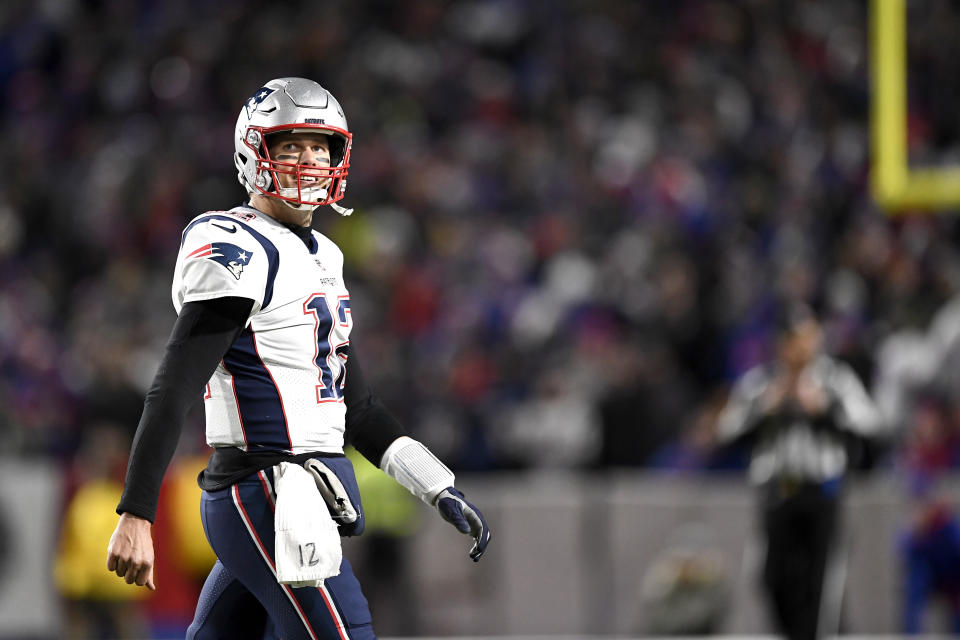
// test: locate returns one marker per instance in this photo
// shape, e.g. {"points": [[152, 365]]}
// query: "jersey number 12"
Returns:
{"points": [[329, 389]]}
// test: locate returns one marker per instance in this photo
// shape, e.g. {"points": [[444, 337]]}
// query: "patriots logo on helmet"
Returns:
{"points": [[255, 100], [229, 255]]}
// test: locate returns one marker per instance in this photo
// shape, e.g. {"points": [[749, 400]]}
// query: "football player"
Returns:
{"points": [[263, 333]]}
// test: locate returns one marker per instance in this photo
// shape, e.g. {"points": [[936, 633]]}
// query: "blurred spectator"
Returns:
{"points": [[99, 606], [645, 400], [930, 445], [798, 413], [103, 606], [685, 590], [556, 427], [930, 551]]}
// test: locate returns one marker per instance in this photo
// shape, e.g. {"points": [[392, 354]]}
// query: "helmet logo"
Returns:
{"points": [[255, 100]]}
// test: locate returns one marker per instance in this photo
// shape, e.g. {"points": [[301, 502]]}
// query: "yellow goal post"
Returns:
{"points": [[896, 186]]}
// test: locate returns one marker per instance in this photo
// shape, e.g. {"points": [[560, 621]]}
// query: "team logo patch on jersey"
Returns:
{"points": [[255, 100], [232, 257]]}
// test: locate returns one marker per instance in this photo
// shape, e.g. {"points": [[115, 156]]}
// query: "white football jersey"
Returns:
{"points": [[280, 386]]}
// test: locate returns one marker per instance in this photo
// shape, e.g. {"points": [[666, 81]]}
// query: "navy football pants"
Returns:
{"points": [[242, 600]]}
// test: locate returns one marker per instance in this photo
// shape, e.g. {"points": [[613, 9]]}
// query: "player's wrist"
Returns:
{"points": [[451, 491], [131, 519], [415, 467]]}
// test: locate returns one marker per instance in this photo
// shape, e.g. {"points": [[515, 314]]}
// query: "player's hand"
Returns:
{"points": [[466, 518], [130, 553]]}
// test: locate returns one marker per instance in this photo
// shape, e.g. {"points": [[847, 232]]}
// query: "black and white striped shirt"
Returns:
{"points": [[791, 444]]}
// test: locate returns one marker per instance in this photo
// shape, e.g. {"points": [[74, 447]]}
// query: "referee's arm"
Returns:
{"points": [[857, 412], [743, 411]]}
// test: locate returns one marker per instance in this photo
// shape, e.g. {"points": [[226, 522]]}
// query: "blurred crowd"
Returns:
{"points": [[575, 221]]}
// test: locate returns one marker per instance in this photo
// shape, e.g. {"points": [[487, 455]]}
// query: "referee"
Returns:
{"points": [[800, 414]]}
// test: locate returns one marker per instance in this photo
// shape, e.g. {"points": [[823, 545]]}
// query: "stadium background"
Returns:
{"points": [[574, 223]]}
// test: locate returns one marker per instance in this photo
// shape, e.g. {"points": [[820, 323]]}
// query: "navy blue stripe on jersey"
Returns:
{"points": [[262, 416], [273, 256]]}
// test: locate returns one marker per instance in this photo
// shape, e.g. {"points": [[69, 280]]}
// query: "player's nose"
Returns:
{"points": [[313, 158]]}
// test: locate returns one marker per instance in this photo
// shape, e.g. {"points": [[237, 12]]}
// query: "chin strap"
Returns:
{"points": [[341, 210], [317, 193]]}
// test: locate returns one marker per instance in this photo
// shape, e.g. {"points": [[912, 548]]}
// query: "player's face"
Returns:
{"points": [[308, 149]]}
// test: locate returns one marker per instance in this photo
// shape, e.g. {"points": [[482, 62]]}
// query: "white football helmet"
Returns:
{"points": [[293, 105]]}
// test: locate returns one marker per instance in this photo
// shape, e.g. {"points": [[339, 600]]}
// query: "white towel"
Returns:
{"points": [[307, 541]]}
